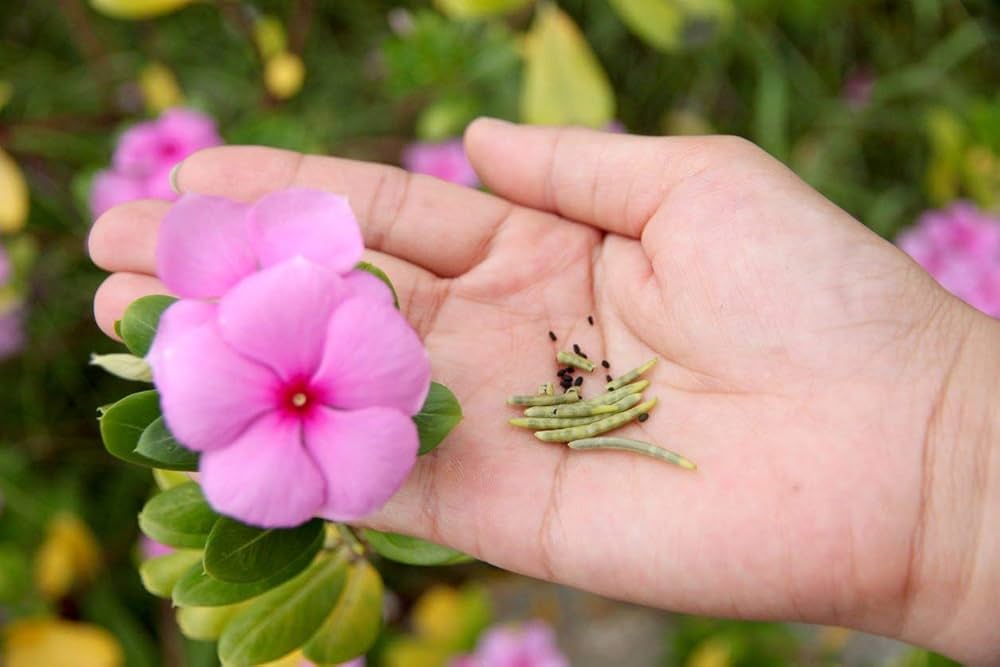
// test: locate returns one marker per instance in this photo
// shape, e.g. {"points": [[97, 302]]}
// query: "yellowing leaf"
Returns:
{"points": [[564, 83], [137, 9], [451, 618], [284, 74], [206, 623], [159, 87], [269, 35], [68, 555], [58, 643], [13, 195], [474, 9], [660, 23], [713, 652], [410, 652]]}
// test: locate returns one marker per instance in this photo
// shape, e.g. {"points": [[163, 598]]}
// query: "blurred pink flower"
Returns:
{"points": [[6, 270], [145, 155], [960, 247], [11, 331], [445, 160], [285, 383], [150, 548], [531, 645], [857, 91]]}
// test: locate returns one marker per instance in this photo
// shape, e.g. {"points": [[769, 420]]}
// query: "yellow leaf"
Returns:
{"points": [[13, 195], [660, 23], [137, 9], [475, 9], [451, 618], [168, 479], [410, 652], [207, 623], [159, 87], [58, 643], [564, 83], [283, 75], [269, 34], [68, 555], [713, 652]]}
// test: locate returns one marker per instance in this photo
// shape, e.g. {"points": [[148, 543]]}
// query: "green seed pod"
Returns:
{"points": [[575, 360], [575, 410], [546, 389], [631, 376], [637, 446], [598, 427], [626, 403], [535, 423], [570, 396], [619, 394]]}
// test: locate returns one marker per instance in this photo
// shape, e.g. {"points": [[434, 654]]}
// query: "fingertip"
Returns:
{"points": [[483, 131], [243, 173], [115, 294]]}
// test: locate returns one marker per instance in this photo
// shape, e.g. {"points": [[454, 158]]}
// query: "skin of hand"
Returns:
{"points": [[836, 400]]}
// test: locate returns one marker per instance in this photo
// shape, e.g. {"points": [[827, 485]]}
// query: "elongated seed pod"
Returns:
{"points": [[618, 394], [576, 360], [631, 376], [570, 396], [574, 410], [626, 403], [637, 446], [536, 423], [546, 389], [598, 427]]}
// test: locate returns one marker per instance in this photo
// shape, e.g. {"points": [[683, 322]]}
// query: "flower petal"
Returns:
{"points": [[110, 188], [265, 478], [373, 357], [209, 393], [279, 316], [179, 319], [363, 284], [364, 456], [316, 225], [204, 247]]}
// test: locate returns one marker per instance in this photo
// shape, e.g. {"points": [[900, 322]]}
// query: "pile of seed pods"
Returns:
{"points": [[569, 418]]}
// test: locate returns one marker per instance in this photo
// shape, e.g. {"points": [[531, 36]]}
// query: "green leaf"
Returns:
{"points": [[159, 575], [123, 423], [199, 588], [564, 84], [381, 275], [206, 623], [440, 413], [238, 553], [283, 619], [476, 9], [353, 625], [412, 550], [125, 366], [179, 517], [660, 23], [138, 324], [157, 444]]}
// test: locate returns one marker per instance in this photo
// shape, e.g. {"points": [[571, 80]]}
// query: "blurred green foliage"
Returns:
{"points": [[887, 108]]}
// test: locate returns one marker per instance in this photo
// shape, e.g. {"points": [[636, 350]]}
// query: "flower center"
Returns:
{"points": [[300, 399]]}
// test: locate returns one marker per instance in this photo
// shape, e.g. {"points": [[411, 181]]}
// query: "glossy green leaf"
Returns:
{"points": [[206, 623], [412, 550], [140, 321], [158, 445], [475, 9], [353, 625], [440, 413], [381, 275], [564, 84], [199, 588], [238, 553], [179, 517], [123, 423], [159, 575], [283, 619]]}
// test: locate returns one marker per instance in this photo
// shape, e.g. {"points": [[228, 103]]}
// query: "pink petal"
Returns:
{"points": [[204, 248], [364, 456], [179, 319], [209, 393], [373, 358], [158, 185], [279, 316], [110, 188], [265, 478], [363, 284], [445, 160], [316, 225]]}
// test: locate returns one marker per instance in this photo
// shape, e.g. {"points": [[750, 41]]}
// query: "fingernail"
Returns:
{"points": [[173, 177], [490, 120]]}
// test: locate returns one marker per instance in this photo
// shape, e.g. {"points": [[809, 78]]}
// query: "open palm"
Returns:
{"points": [[800, 356]]}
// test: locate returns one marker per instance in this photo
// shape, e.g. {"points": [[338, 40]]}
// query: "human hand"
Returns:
{"points": [[817, 376]]}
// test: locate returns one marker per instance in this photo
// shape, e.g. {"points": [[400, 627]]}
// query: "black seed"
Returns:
{"points": [[606, 364], [579, 381], [576, 348], [584, 355], [590, 318], [609, 378], [643, 417], [569, 370], [553, 337]]}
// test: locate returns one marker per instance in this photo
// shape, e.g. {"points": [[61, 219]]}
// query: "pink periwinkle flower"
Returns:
{"points": [[960, 246], [445, 160], [145, 155], [531, 645], [150, 548], [299, 382]]}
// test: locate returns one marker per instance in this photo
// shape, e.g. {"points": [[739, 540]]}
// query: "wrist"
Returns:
{"points": [[953, 584]]}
